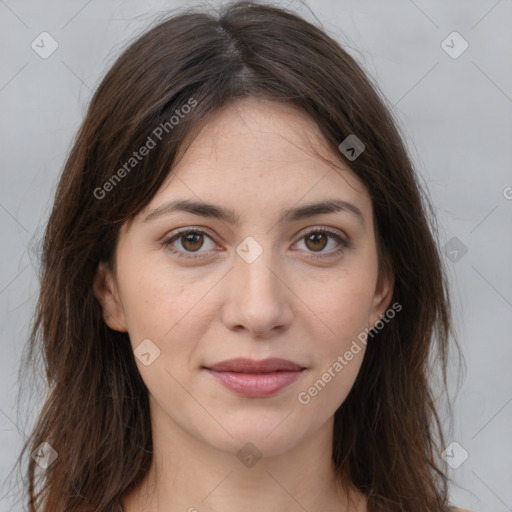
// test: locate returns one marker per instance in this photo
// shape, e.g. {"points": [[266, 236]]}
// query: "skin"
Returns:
{"points": [[255, 157]]}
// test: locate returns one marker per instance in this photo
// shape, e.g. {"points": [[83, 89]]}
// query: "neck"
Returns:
{"points": [[190, 475]]}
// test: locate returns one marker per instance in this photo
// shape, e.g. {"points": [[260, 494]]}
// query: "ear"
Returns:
{"points": [[383, 294], [105, 291]]}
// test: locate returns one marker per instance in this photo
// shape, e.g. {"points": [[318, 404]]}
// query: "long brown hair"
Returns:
{"points": [[388, 435]]}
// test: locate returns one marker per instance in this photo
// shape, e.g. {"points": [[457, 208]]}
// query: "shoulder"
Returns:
{"points": [[454, 509]]}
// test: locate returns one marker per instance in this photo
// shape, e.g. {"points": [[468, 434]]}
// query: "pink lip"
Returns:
{"points": [[256, 378]]}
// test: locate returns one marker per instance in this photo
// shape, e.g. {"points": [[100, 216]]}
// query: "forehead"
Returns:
{"points": [[257, 154]]}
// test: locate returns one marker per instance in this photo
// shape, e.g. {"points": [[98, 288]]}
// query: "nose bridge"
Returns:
{"points": [[258, 299], [255, 265]]}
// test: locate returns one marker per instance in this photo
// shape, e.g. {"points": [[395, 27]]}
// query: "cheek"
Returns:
{"points": [[158, 302], [173, 310], [343, 304], [349, 313], [339, 347]]}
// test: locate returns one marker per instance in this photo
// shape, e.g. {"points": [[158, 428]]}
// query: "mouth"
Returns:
{"points": [[255, 379]]}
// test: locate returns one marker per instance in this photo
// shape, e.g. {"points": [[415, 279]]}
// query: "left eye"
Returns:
{"points": [[192, 240], [318, 239]]}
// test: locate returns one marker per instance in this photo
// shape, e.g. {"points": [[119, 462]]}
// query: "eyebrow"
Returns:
{"points": [[229, 216]]}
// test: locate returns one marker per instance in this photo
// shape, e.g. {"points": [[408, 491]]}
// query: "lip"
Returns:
{"points": [[243, 365], [256, 379]]}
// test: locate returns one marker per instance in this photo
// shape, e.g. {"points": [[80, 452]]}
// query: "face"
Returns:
{"points": [[259, 276]]}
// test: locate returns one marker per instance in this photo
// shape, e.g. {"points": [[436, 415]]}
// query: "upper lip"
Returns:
{"points": [[242, 365]]}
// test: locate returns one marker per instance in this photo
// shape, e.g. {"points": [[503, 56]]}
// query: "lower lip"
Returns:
{"points": [[256, 385]]}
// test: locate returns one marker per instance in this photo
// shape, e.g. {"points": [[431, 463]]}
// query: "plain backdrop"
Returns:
{"points": [[455, 110]]}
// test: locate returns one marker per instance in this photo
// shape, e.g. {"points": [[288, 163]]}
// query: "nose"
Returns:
{"points": [[258, 298]]}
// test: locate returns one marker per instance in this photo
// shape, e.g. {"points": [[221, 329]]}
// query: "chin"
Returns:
{"points": [[268, 438]]}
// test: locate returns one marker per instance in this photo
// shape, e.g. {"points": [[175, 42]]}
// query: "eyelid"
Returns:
{"points": [[326, 229]]}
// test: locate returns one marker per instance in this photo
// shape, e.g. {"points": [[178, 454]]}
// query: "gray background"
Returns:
{"points": [[455, 114]]}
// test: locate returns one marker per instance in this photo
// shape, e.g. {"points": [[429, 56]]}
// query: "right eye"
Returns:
{"points": [[191, 240]]}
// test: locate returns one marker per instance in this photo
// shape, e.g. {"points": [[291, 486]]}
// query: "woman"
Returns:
{"points": [[241, 286]]}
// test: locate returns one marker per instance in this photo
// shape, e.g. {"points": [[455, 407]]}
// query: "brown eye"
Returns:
{"points": [[192, 241], [186, 242], [316, 241]]}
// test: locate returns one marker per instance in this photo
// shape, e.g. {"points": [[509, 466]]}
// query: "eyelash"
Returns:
{"points": [[344, 244]]}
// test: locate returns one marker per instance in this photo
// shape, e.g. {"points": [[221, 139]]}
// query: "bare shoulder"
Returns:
{"points": [[453, 509]]}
